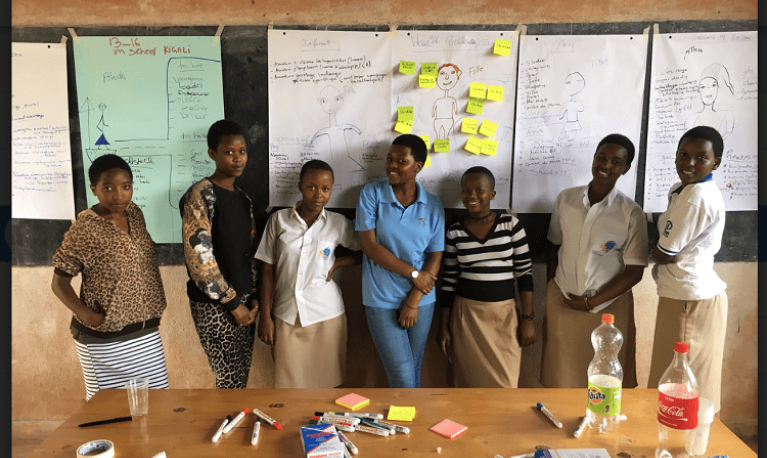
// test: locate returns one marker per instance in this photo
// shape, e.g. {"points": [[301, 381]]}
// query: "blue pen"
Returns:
{"points": [[548, 414]]}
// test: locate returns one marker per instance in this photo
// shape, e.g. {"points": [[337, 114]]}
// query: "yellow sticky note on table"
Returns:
{"points": [[475, 106], [502, 47], [442, 146], [407, 67], [427, 81], [488, 128], [473, 145], [401, 413], [489, 147], [426, 140], [404, 127], [495, 93], [469, 125], [477, 90], [428, 160], [429, 68], [404, 114]]}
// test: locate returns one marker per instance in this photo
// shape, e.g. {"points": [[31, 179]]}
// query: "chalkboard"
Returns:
{"points": [[244, 62]]}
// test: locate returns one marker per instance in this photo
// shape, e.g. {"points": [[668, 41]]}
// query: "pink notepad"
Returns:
{"points": [[449, 429], [353, 401]]}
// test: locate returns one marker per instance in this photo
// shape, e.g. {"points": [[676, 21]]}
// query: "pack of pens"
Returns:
{"points": [[572, 453], [321, 441]]}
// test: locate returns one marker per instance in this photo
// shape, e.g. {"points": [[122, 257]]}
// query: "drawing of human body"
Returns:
{"points": [[102, 141], [708, 88], [445, 107], [332, 100], [574, 83]]}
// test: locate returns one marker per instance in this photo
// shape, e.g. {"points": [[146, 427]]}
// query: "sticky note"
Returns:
{"points": [[473, 145], [426, 140], [401, 413], [489, 147], [407, 67], [353, 401], [475, 106], [428, 160], [495, 93], [404, 113], [488, 128], [477, 90], [469, 125], [404, 127], [427, 81], [429, 68], [502, 47], [449, 429], [442, 146]]}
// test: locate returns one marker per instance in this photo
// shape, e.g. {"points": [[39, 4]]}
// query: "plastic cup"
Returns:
{"points": [[697, 439], [138, 396]]}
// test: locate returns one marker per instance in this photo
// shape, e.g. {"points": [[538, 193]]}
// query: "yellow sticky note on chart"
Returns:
{"points": [[489, 147], [442, 146], [488, 128], [427, 81], [426, 140], [475, 106], [407, 67], [502, 47], [401, 413], [429, 68], [428, 160], [404, 114], [473, 145], [469, 125], [477, 90], [495, 93], [404, 127]]}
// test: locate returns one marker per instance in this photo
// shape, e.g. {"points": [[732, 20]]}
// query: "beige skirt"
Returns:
{"points": [[312, 356], [485, 350], [567, 349]]}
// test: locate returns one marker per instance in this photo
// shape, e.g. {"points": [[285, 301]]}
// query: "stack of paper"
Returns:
{"points": [[353, 401], [449, 429]]}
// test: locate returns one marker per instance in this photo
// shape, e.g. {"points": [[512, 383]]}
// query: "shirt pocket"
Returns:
{"points": [[609, 244], [324, 254]]}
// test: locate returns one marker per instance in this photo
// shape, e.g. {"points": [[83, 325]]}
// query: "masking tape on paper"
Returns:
{"points": [[96, 449]]}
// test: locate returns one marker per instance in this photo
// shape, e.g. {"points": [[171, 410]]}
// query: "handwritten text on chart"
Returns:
{"points": [[132, 47], [337, 70]]}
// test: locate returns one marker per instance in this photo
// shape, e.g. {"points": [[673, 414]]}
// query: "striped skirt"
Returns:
{"points": [[110, 365]]}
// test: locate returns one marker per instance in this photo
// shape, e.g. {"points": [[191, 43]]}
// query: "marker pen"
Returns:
{"points": [[236, 420], [400, 428], [337, 418], [343, 427], [581, 427], [549, 415], [332, 420], [372, 430], [267, 418], [256, 429], [373, 424], [220, 429], [375, 416], [352, 448]]}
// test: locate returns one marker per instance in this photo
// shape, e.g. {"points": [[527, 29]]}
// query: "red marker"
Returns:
{"points": [[267, 418], [236, 420]]}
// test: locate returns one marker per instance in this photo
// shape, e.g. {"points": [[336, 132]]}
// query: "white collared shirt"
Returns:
{"points": [[597, 241], [302, 257]]}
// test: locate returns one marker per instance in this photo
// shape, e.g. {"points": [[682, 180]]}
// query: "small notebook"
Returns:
{"points": [[401, 413], [449, 429], [353, 401]]}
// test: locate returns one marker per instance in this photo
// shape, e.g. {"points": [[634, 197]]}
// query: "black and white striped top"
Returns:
{"points": [[485, 270]]}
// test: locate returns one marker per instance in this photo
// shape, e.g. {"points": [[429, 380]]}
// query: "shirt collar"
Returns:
{"points": [[709, 177], [610, 197], [321, 216], [388, 194]]}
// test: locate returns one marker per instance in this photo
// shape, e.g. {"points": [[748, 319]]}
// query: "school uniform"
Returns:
{"points": [[693, 302], [310, 324], [597, 242]]}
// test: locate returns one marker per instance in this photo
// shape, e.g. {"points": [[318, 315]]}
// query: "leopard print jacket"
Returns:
{"points": [[197, 208], [120, 273]]}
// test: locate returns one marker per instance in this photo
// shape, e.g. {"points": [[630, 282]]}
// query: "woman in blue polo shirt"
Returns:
{"points": [[402, 232]]}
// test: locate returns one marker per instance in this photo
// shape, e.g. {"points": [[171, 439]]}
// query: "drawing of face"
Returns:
{"points": [[448, 76], [708, 88], [331, 100], [574, 83], [102, 106]]}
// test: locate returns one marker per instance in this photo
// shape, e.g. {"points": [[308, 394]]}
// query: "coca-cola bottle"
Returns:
{"points": [[677, 406]]}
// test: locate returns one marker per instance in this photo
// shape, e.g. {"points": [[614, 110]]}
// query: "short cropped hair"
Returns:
{"points": [[415, 143], [315, 164], [104, 163], [622, 140], [479, 169], [705, 133], [221, 128]]}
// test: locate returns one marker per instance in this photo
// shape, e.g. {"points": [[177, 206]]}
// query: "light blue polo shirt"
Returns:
{"points": [[409, 233]]}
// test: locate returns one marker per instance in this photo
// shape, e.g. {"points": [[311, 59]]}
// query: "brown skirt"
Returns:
{"points": [[567, 349], [485, 350], [312, 356]]}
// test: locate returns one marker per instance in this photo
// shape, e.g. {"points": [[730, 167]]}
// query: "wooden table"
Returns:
{"points": [[500, 421]]}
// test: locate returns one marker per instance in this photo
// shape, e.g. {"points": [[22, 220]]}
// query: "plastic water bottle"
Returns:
{"points": [[678, 399], [605, 376]]}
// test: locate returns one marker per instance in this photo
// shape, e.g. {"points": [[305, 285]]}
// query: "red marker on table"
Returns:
{"points": [[236, 420], [267, 418]]}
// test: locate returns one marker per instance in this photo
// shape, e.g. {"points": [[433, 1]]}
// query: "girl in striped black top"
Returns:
{"points": [[484, 255]]}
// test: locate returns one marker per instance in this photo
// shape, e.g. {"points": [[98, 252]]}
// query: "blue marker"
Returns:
{"points": [[548, 414]]}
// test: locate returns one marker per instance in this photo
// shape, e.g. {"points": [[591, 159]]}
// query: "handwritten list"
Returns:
{"points": [[41, 167]]}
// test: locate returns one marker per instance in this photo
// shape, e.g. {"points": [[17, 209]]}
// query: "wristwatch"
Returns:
{"points": [[414, 274]]}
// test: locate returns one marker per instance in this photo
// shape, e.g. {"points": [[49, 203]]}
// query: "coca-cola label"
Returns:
{"points": [[678, 413], [604, 401]]}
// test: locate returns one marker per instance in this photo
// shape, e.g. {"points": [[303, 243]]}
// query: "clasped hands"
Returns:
{"points": [[424, 282]]}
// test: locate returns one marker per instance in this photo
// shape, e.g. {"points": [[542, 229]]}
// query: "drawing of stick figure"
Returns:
{"points": [[445, 107], [708, 88], [574, 83], [102, 141], [331, 101]]}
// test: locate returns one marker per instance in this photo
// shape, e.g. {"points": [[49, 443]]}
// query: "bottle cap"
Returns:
{"points": [[608, 318], [681, 347]]}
